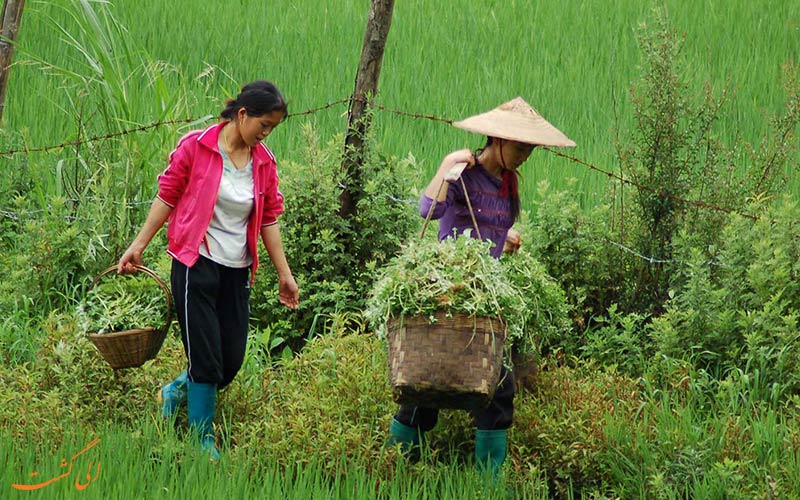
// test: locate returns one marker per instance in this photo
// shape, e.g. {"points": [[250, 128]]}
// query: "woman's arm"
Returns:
{"points": [[159, 212], [287, 287], [437, 188]]}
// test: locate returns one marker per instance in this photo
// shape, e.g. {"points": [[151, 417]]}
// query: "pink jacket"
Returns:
{"points": [[190, 184]]}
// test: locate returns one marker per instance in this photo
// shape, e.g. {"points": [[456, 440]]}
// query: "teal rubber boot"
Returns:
{"points": [[407, 437], [490, 450], [172, 395], [202, 400]]}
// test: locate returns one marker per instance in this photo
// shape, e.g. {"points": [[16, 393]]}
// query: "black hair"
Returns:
{"points": [[257, 98]]}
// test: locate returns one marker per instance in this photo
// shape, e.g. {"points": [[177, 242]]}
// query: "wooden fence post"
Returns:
{"points": [[369, 69], [10, 19]]}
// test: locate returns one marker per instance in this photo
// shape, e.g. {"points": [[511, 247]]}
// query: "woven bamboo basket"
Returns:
{"points": [[453, 362], [131, 348]]}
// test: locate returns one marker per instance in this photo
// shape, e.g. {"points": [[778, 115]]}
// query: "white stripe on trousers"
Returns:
{"points": [[186, 321]]}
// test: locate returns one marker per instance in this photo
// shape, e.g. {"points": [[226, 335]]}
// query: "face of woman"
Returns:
{"points": [[515, 153], [255, 129]]}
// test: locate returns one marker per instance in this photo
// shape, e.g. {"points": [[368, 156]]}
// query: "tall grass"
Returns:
{"points": [[572, 60], [315, 426], [151, 462]]}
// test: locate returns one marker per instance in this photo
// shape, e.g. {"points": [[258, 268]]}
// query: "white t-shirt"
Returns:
{"points": [[227, 234]]}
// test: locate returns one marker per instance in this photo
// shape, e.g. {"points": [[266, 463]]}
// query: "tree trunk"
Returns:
{"points": [[10, 18], [369, 69]]}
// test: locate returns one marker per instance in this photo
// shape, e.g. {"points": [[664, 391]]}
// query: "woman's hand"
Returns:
{"points": [[460, 156], [513, 241], [288, 292], [437, 189], [129, 260], [158, 214]]}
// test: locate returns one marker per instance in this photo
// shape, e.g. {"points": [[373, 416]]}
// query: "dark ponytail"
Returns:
{"points": [[257, 98], [509, 188]]}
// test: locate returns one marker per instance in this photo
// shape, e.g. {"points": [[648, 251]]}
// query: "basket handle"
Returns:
{"points": [[153, 275]]}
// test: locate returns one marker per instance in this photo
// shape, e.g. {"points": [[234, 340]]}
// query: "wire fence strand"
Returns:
{"points": [[692, 203]]}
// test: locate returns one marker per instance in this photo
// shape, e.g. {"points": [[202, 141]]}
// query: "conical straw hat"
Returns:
{"points": [[516, 120]]}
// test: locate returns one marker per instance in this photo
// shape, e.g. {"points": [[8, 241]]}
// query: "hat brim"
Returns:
{"points": [[513, 125]]}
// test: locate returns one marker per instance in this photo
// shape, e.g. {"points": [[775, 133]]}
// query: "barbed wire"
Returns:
{"points": [[319, 108], [96, 138], [663, 194], [620, 178], [649, 260]]}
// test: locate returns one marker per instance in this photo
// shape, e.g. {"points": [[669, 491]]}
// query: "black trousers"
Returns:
{"points": [[212, 302], [498, 415]]}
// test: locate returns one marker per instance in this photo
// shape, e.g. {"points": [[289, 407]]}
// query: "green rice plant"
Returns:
{"points": [[107, 83], [16, 347], [151, 461], [743, 49], [697, 437]]}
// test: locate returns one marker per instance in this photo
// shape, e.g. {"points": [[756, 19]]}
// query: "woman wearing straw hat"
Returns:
{"points": [[489, 176], [220, 194]]}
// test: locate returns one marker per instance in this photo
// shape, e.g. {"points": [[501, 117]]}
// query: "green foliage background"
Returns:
{"points": [[572, 60], [677, 375]]}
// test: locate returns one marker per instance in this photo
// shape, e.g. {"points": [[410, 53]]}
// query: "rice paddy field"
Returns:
{"points": [[87, 68], [572, 60]]}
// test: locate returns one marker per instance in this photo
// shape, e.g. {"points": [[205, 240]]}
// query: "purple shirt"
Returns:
{"points": [[492, 212]]}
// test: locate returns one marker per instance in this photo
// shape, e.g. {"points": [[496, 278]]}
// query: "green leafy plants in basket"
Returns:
{"points": [[122, 303], [454, 275], [459, 275]]}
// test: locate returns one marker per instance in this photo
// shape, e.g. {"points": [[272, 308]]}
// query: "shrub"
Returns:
{"points": [[572, 244], [741, 309], [51, 252], [674, 156], [334, 258]]}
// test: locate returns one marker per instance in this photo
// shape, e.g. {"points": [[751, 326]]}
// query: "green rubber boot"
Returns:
{"points": [[202, 399], [172, 395], [407, 437], [490, 450]]}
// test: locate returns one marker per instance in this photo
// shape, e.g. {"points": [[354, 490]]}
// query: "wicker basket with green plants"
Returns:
{"points": [[126, 316]]}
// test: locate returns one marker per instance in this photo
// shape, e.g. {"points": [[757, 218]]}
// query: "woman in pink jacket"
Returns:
{"points": [[219, 193]]}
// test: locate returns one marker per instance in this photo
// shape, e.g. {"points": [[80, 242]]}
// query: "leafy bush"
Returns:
{"points": [[50, 253], [715, 288], [741, 309], [616, 341], [573, 245], [332, 257], [674, 156]]}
